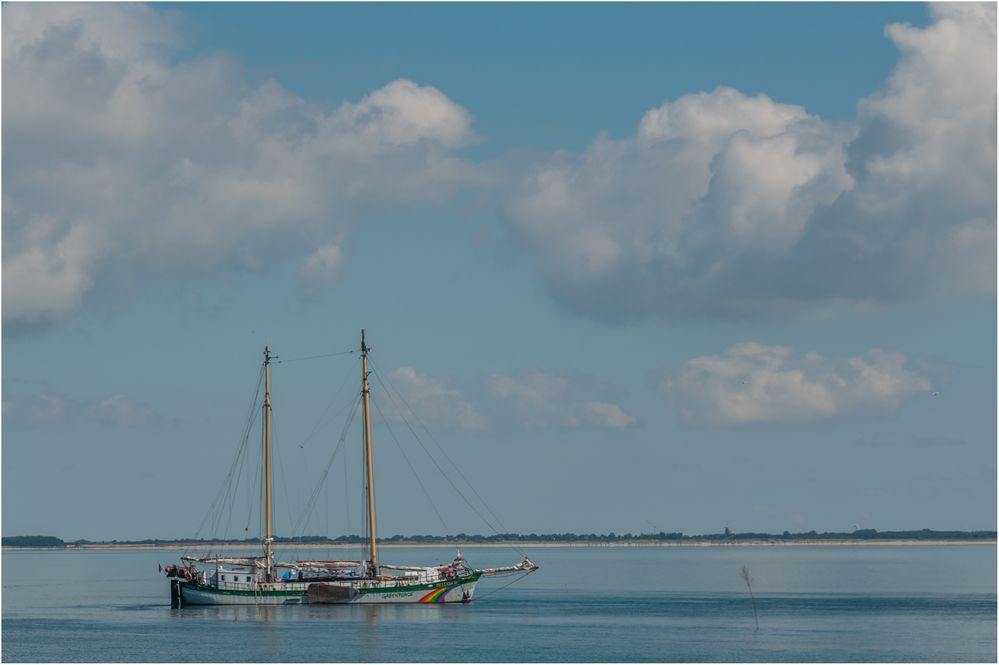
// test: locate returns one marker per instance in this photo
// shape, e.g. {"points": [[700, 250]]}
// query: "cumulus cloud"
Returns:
{"points": [[37, 411], [45, 410], [122, 163], [121, 411], [727, 204], [433, 400], [543, 400], [321, 266], [756, 384], [606, 414]]}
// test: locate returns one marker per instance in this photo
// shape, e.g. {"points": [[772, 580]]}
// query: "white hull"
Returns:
{"points": [[289, 594]]}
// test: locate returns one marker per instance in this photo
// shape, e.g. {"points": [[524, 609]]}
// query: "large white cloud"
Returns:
{"points": [[121, 164], [756, 384], [727, 204]]}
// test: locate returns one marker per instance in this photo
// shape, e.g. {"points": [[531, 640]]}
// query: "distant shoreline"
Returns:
{"points": [[895, 542]]}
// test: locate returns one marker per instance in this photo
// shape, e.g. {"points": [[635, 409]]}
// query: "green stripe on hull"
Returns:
{"points": [[424, 587]]}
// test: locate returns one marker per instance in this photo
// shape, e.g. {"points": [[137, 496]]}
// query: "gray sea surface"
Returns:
{"points": [[927, 603]]}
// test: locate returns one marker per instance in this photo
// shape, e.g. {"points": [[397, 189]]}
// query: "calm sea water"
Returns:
{"points": [[923, 603]]}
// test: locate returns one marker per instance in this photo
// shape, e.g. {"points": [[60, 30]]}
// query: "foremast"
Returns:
{"points": [[268, 537], [373, 561]]}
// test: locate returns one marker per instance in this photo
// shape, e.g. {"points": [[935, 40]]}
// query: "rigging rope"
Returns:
{"points": [[223, 492], [346, 494], [253, 498], [324, 355], [485, 520], [451, 461], [511, 583], [223, 503], [321, 423], [284, 481], [219, 513], [447, 531], [310, 504], [261, 470]]}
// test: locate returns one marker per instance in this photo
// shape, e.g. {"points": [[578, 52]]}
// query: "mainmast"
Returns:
{"points": [[367, 457], [268, 538]]}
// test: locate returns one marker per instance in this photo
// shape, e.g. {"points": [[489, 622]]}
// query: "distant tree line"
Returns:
{"points": [[662, 536], [32, 541]]}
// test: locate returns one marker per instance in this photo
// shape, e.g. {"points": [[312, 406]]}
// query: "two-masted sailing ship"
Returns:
{"points": [[260, 580]]}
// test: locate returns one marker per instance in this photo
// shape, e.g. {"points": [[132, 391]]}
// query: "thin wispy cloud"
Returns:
{"points": [[321, 267], [530, 400], [434, 400], [540, 399], [45, 411], [606, 414]]}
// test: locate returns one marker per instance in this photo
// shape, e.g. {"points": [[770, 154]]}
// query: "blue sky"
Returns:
{"points": [[648, 266]]}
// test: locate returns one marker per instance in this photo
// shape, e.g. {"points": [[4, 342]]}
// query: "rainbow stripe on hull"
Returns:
{"points": [[437, 596]]}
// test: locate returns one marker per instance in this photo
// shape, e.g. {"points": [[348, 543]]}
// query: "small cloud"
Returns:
{"points": [[538, 399], [433, 400], [609, 415], [45, 411], [120, 411], [36, 411], [542, 400], [321, 267], [756, 384]]}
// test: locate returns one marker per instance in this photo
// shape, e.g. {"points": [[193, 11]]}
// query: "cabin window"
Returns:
{"points": [[223, 578], [247, 578]]}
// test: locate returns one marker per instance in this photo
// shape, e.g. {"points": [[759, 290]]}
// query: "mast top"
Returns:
{"points": [[364, 347], [267, 355]]}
